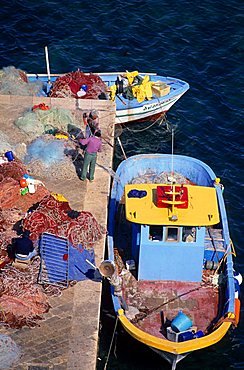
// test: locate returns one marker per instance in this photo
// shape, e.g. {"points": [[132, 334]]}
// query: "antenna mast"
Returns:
{"points": [[47, 64], [172, 157]]}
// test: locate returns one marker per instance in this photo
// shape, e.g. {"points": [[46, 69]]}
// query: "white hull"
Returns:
{"points": [[150, 108]]}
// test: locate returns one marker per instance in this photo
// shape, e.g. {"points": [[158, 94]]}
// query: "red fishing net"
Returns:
{"points": [[69, 84], [13, 205], [22, 301], [14, 170], [53, 216], [10, 197]]}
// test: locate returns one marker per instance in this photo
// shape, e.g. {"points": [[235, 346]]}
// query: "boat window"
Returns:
{"points": [[189, 234], [172, 234], [156, 233]]}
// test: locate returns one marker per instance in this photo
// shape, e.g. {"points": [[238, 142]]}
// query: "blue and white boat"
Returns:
{"points": [[170, 256], [131, 110]]}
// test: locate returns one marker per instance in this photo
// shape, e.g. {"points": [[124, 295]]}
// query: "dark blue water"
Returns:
{"points": [[201, 42]]}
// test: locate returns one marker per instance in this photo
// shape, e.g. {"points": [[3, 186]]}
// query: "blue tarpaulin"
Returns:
{"points": [[79, 269], [62, 262]]}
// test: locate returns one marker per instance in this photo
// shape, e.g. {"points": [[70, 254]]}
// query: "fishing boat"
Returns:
{"points": [[166, 92], [170, 256]]}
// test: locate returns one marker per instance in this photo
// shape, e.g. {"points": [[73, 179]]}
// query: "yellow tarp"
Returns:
{"points": [[140, 92], [143, 91]]}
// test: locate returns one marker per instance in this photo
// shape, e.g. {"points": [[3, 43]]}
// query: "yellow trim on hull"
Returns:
{"points": [[173, 347]]}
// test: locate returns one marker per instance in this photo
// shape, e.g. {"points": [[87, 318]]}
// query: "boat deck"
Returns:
{"points": [[159, 302]]}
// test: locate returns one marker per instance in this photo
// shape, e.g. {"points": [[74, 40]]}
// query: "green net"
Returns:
{"points": [[38, 122], [14, 82]]}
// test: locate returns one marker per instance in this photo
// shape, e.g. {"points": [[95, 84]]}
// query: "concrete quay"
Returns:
{"points": [[67, 338]]}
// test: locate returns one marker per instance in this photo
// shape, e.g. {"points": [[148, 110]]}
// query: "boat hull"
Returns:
{"points": [[152, 108], [170, 357]]}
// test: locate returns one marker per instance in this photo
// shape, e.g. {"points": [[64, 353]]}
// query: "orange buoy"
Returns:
{"points": [[237, 310], [23, 183]]}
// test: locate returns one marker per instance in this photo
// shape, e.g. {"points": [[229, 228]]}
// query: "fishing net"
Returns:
{"points": [[46, 149], [9, 352], [48, 155], [10, 195], [22, 300], [14, 82], [4, 143], [69, 85], [163, 178], [38, 122], [14, 169], [9, 219], [52, 216]]}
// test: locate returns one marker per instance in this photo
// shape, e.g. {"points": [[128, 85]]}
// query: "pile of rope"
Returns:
{"points": [[68, 85], [15, 82], [52, 216]]}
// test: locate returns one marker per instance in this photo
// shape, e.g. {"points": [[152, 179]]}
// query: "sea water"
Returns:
{"points": [[198, 41]]}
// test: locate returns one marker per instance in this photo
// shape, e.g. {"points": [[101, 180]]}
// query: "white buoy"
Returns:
{"points": [[238, 277]]}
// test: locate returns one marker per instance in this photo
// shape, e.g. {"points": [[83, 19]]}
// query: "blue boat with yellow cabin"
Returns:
{"points": [[170, 263]]}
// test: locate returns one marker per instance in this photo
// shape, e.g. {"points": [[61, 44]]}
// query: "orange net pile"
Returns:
{"points": [[68, 85], [22, 301]]}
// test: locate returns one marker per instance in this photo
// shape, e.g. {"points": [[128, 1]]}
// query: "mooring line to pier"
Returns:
{"points": [[109, 351]]}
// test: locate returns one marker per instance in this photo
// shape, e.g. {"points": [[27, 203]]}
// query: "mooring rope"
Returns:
{"points": [[160, 119], [109, 351]]}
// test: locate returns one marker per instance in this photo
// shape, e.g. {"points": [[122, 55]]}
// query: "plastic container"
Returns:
{"points": [[199, 334], [23, 183], [10, 156], [31, 188], [3, 159], [84, 87], [24, 191], [181, 322], [187, 335], [130, 265], [26, 176], [238, 277]]}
